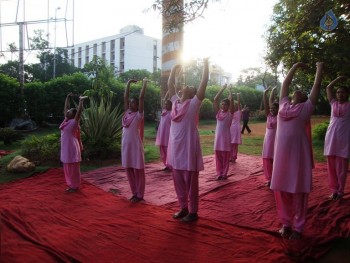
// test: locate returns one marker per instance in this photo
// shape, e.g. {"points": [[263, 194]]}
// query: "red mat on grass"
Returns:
{"points": [[41, 223]]}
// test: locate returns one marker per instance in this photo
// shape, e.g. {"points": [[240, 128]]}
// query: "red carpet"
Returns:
{"points": [[238, 222]]}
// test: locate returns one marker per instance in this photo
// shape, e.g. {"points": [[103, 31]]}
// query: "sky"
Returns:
{"points": [[230, 32]]}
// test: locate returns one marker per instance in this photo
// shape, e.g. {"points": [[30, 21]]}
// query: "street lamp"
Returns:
{"points": [[54, 48]]}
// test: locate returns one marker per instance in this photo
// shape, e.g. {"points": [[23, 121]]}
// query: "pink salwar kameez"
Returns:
{"points": [[268, 146], [337, 146], [236, 136], [222, 143], [133, 153], [293, 163], [184, 151], [71, 152], [162, 138]]}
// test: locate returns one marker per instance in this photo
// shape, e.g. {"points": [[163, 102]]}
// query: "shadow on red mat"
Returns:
{"points": [[238, 222]]}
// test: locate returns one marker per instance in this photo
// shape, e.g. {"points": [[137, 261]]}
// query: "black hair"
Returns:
{"points": [[136, 99], [227, 101], [344, 88]]}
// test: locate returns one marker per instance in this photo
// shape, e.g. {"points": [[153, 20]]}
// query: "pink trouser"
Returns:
{"points": [[292, 209], [222, 159], [163, 153], [234, 151], [337, 173], [137, 181], [72, 175], [267, 165], [187, 190]]}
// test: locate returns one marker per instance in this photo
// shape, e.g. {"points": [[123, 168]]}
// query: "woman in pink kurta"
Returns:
{"points": [[222, 143], [271, 110], [293, 161], [184, 149], [71, 145], [132, 147], [337, 141], [163, 131], [235, 130]]}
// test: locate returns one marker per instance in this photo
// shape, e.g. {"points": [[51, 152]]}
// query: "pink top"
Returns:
{"points": [[70, 146], [162, 138], [337, 141], [222, 132], [235, 128], [292, 166], [132, 147], [184, 149], [269, 139]]}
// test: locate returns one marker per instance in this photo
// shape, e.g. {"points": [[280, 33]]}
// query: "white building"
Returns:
{"points": [[130, 49]]}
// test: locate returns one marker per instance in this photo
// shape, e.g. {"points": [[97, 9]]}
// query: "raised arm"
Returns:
{"points": [[80, 108], [272, 96], [230, 98], [288, 80], [238, 102], [315, 91], [171, 80], [66, 103], [217, 98], [127, 93], [266, 102], [142, 95], [203, 85], [329, 89]]}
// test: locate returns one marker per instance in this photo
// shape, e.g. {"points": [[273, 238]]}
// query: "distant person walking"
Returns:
{"points": [[71, 145], [132, 148], [245, 118], [337, 140]]}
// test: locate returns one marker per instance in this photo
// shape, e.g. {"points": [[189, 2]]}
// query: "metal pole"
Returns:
{"points": [[54, 48]]}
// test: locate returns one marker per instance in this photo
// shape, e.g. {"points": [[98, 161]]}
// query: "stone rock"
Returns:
{"points": [[20, 164]]}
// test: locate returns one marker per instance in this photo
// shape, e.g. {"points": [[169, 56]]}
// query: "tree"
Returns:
{"points": [[174, 10], [295, 35], [10, 100], [251, 77], [138, 74]]}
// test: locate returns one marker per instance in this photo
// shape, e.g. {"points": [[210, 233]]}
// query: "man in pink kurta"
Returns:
{"points": [[337, 140], [163, 131]]}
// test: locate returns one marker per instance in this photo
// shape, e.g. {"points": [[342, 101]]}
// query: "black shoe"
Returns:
{"points": [[182, 213], [136, 199], [191, 217]]}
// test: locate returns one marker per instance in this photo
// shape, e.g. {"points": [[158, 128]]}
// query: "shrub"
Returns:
{"points": [[43, 149], [206, 111], [9, 135], [319, 131], [101, 129]]}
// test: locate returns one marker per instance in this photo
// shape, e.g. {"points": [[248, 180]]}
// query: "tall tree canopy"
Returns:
{"points": [[295, 35]]}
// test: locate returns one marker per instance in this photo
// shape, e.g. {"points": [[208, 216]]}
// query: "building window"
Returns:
{"points": [[95, 49], [87, 54], [72, 53], [122, 43]]}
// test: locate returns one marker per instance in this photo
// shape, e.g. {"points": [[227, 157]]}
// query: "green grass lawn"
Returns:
{"points": [[251, 144]]}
